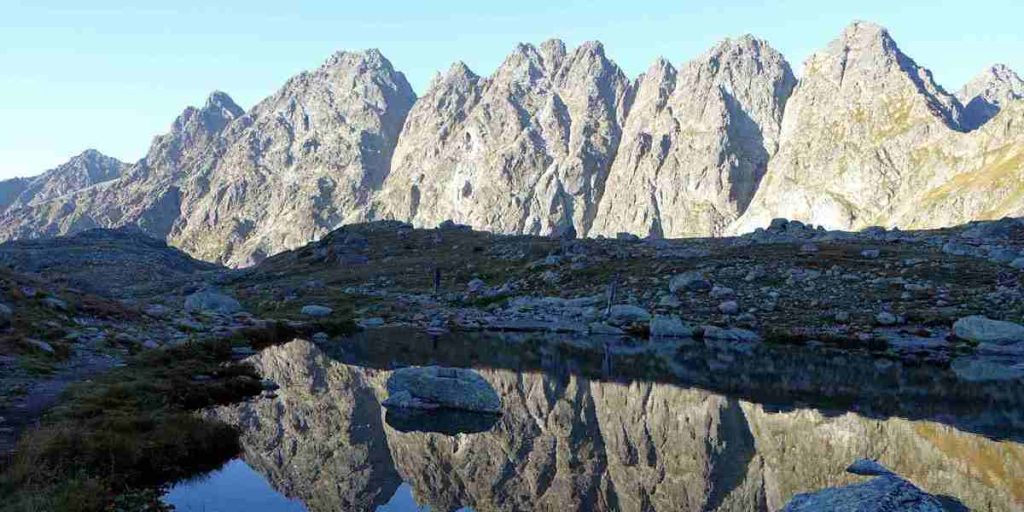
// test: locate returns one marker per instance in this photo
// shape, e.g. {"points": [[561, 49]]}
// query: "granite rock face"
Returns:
{"points": [[526, 150], [697, 142], [559, 141], [231, 186], [299, 164]]}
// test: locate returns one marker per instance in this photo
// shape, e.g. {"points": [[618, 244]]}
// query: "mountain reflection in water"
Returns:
{"points": [[592, 424]]}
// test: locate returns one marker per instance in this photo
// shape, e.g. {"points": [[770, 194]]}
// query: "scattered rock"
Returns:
{"points": [[691, 281], [622, 314], [629, 237], [886, 318], [871, 254], [212, 301], [369, 323], [476, 286], [729, 307], [40, 345], [55, 304], [316, 311], [722, 292], [435, 387], [6, 314], [730, 334], [669, 326]]}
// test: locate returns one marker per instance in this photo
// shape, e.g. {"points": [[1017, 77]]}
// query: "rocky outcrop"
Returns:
{"points": [[526, 150], [697, 142]]}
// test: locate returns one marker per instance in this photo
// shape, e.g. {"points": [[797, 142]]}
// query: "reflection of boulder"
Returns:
{"points": [[321, 439], [566, 442], [445, 421]]}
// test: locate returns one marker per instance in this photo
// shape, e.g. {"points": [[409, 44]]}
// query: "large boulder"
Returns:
{"points": [[984, 330], [212, 301], [691, 281], [316, 311], [622, 314], [669, 326], [887, 492], [435, 387]]}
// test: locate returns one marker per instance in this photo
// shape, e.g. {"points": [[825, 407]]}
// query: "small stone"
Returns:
{"points": [[670, 326], [722, 292], [1018, 263], [316, 311], [213, 301], [808, 248], [40, 345], [729, 307], [371, 322], [6, 314], [476, 286], [842, 317], [628, 237], [691, 281], [867, 467], [622, 314], [885, 318], [871, 253], [712, 332], [55, 304], [321, 337]]}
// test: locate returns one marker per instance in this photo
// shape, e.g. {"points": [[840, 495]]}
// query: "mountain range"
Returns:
{"points": [[560, 141]]}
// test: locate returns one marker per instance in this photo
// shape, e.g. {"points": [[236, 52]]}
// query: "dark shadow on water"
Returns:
{"points": [[442, 421]]}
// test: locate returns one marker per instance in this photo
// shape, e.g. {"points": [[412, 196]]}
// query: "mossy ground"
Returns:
{"points": [[110, 441]]}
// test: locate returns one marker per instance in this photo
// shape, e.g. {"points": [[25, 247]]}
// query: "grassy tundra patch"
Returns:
{"points": [[129, 430]]}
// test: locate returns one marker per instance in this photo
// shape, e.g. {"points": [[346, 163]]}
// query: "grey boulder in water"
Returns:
{"points": [[435, 387]]}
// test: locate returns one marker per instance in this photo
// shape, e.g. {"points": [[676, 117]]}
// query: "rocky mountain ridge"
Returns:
{"points": [[560, 141]]}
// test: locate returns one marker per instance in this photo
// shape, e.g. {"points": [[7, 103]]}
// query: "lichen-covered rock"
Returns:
{"points": [[435, 387]]}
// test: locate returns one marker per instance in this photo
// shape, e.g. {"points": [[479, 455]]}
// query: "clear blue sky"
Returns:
{"points": [[111, 75]]}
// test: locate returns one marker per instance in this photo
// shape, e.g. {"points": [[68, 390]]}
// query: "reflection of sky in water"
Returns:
{"points": [[236, 487], [403, 501], [233, 488]]}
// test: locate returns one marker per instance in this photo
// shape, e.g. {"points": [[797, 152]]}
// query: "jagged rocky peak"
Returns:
{"points": [[863, 129], [865, 59], [212, 117], [526, 150], [697, 141], [300, 163], [988, 92]]}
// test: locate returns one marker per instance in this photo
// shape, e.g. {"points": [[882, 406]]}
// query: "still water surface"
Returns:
{"points": [[597, 424]]}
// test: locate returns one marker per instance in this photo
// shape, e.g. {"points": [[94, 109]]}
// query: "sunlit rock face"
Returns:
{"points": [[566, 442], [697, 142], [526, 150]]}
